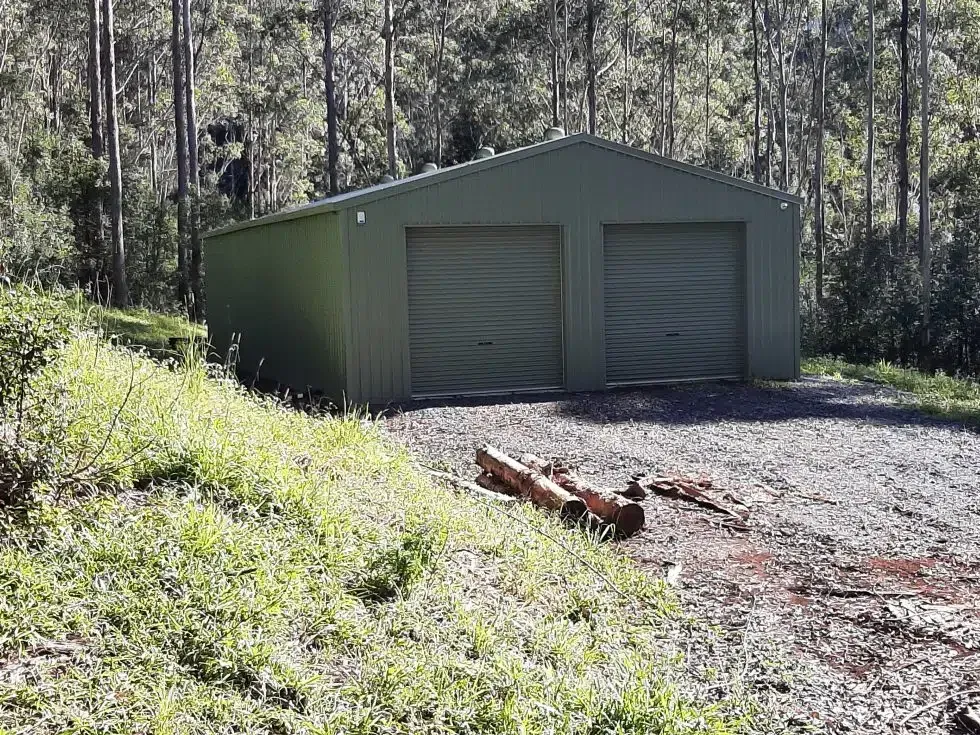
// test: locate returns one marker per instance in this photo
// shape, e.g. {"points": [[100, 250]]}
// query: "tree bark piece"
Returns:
{"points": [[528, 483], [633, 491], [687, 489], [627, 516]]}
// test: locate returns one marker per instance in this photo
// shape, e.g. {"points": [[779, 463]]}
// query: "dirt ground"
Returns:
{"points": [[849, 601]]}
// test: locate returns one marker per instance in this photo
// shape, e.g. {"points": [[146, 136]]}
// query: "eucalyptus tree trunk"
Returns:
{"points": [[388, 32], [627, 71], [672, 94], [437, 101], [250, 142], [120, 286], [591, 29], [193, 168], [783, 103], [757, 108], [333, 147], [555, 71], [869, 171], [902, 150], [151, 102], [925, 224], [180, 149], [707, 75], [97, 244], [565, 59], [771, 105], [55, 64], [819, 94]]}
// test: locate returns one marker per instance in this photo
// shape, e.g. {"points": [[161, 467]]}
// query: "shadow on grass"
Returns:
{"points": [[155, 331]]}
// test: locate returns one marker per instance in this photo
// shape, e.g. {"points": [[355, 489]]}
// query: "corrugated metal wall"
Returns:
{"points": [[579, 187], [282, 286]]}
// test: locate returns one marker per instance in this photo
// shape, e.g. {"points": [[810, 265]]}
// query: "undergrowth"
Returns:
{"points": [[138, 326], [204, 560], [936, 394]]}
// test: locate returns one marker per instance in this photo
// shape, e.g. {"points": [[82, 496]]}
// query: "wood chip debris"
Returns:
{"points": [[550, 484], [682, 488]]}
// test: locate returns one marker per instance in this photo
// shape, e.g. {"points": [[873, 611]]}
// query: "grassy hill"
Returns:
{"points": [[180, 556]]}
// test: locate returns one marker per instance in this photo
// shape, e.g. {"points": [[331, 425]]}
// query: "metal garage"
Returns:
{"points": [[574, 264], [674, 302], [484, 309]]}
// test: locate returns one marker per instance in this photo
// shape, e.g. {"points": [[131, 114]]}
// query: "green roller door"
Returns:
{"points": [[674, 302], [484, 309]]}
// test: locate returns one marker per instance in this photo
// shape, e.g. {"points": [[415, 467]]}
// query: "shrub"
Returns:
{"points": [[33, 329]]}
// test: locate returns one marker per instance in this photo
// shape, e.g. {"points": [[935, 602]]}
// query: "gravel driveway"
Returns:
{"points": [[853, 597]]}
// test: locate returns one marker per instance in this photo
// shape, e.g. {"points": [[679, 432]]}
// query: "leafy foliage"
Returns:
{"points": [[33, 329], [680, 77]]}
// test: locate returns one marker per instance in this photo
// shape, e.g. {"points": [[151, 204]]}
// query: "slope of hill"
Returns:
{"points": [[178, 555]]}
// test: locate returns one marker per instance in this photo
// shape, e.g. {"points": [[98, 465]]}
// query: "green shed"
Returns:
{"points": [[574, 264]]}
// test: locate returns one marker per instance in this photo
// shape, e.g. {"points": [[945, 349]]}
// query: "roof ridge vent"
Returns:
{"points": [[428, 168], [554, 133], [485, 151], [386, 179]]}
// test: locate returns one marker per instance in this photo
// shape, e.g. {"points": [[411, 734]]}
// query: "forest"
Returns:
{"points": [[129, 130]]}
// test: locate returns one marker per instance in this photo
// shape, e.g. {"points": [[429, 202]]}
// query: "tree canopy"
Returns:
{"points": [[773, 90]]}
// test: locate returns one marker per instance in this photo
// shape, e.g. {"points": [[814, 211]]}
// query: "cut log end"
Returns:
{"points": [[629, 519]]}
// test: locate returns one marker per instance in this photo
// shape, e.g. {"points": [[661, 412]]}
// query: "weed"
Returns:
{"points": [[395, 569]]}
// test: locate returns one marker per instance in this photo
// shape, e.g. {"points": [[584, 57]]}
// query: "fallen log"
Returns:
{"points": [[627, 516], [529, 483], [491, 483]]}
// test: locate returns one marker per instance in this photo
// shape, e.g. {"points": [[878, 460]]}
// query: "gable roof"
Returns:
{"points": [[400, 186]]}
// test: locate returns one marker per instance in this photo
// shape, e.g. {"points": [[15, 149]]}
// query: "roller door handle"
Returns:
{"points": [[673, 334], [484, 344]]}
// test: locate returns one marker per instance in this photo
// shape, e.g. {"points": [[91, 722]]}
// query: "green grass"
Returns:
{"points": [[139, 326], [935, 394], [218, 563]]}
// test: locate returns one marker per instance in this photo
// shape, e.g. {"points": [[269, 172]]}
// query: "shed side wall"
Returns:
{"points": [[281, 287]]}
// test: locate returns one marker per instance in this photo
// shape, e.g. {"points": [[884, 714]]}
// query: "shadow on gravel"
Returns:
{"points": [[719, 402]]}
